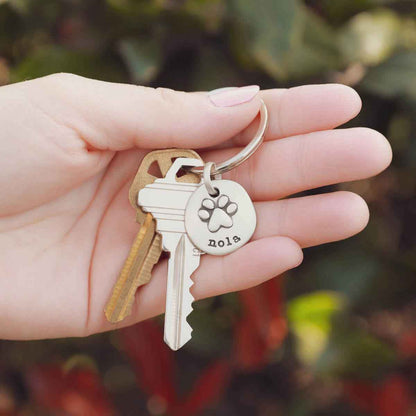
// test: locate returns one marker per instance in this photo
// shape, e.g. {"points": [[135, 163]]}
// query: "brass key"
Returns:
{"points": [[146, 248]]}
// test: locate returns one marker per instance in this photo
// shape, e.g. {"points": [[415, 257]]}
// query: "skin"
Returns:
{"points": [[70, 147]]}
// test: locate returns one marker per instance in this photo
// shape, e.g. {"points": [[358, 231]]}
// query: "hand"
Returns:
{"points": [[70, 147]]}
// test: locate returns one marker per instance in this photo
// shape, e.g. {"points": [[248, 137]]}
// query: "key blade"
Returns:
{"points": [[131, 275], [142, 276], [179, 299]]}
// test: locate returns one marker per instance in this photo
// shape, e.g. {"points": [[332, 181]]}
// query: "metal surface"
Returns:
{"points": [[208, 167], [222, 224], [166, 199], [146, 248], [245, 153], [136, 271], [164, 160]]}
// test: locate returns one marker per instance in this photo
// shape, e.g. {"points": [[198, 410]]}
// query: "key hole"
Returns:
{"points": [[216, 193], [181, 172], [154, 170]]}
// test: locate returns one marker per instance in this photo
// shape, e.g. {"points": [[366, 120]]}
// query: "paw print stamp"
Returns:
{"points": [[217, 213]]}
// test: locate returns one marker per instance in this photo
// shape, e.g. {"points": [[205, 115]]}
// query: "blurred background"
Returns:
{"points": [[335, 337]]}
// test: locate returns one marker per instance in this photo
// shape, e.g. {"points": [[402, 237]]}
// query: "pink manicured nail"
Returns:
{"points": [[227, 97]]}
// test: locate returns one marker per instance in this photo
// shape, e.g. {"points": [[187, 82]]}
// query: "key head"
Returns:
{"points": [[166, 198], [164, 160]]}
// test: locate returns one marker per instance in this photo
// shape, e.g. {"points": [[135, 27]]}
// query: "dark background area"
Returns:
{"points": [[337, 336]]}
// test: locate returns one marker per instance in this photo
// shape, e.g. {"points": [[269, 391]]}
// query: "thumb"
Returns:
{"points": [[121, 116], [56, 130]]}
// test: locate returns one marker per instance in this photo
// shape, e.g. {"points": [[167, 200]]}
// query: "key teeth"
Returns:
{"points": [[179, 300], [187, 313], [190, 307]]}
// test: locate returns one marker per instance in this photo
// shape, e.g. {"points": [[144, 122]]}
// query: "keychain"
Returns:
{"points": [[210, 215]]}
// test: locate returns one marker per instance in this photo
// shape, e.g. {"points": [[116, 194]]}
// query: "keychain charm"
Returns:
{"points": [[219, 216]]}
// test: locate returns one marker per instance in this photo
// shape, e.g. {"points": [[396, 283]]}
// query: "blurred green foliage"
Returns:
{"points": [[351, 303]]}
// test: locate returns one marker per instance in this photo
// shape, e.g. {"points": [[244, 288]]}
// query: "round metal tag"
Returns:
{"points": [[220, 224]]}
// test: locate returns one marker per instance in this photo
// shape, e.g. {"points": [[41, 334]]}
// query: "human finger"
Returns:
{"points": [[304, 109], [314, 219], [113, 116], [294, 164]]}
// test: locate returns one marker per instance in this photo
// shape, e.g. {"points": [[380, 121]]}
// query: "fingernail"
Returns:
{"points": [[230, 96]]}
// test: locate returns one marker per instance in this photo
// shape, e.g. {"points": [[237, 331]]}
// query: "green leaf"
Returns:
{"points": [[137, 8], [265, 29], [211, 62], [282, 37], [394, 78], [355, 353], [329, 344], [46, 9], [18, 5], [143, 58], [210, 12], [371, 37], [310, 318], [315, 51], [52, 59], [80, 361], [340, 10], [348, 271]]}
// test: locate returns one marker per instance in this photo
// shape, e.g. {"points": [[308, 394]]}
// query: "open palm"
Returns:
{"points": [[70, 147]]}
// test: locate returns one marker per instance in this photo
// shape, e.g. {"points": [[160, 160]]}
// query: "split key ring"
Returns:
{"points": [[244, 154]]}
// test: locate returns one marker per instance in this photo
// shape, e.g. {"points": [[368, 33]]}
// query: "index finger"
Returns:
{"points": [[304, 109]]}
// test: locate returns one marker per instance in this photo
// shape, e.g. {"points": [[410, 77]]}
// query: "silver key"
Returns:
{"points": [[166, 200]]}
